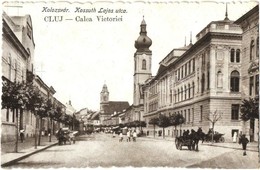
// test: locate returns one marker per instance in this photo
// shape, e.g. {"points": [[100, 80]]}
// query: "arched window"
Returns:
{"points": [[238, 55], [219, 79], [234, 81], [202, 83], [252, 49], [232, 55], [144, 64]]}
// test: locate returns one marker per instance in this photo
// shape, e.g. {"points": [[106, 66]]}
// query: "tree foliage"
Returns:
{"points": [[249, 109]]}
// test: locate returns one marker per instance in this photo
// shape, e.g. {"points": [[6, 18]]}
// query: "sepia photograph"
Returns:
{"points": [[130, 84]]}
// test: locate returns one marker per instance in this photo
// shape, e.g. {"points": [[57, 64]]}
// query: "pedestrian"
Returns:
{"points": [[22, 135], [114, 134], [244, 141], [60, 135], [121, 137], [235, 137], [128, 136], [134, 136]]}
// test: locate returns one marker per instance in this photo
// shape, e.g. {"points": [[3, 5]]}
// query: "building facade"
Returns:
{"points": [[199, 79], [249, 23], [17, 63]]}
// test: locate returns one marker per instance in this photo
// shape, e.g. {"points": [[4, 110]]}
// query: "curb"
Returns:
{"points": [[26, 155], [252, 150]]}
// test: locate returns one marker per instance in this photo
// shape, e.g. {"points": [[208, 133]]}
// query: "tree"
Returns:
{"points": [[154, 121], [249, 109], [164, 121], [14, 97], [176, 119], [213, 118]]}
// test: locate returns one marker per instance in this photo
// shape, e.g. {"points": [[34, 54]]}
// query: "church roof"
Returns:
{"points": [[115, 106]]}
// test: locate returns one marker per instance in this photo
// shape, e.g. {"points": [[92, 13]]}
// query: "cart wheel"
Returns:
{"points": [[222, 139]]}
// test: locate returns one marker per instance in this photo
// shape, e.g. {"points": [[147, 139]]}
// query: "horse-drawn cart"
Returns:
{"points": [[182, 141]]}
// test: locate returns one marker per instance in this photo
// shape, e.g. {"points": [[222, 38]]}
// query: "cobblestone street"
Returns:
{"points": [[105, 151]]}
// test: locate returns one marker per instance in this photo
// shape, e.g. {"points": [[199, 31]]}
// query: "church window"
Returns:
{"points": [[232, 55], [252, 49], [234, 81], [144, 64]]}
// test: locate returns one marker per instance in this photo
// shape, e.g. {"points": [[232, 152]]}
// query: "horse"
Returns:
{"points": [[196, 137]]}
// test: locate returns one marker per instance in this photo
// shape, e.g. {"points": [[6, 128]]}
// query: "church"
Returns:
{"points": [[109, 108]]}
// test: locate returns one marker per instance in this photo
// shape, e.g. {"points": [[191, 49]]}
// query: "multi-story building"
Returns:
{"points": [[17, 64], [249, 23], [199, 79]]}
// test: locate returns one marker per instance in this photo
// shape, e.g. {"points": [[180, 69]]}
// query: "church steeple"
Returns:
{"points": [[104, 95], [143, 42]]}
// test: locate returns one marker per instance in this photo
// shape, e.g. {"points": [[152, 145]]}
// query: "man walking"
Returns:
{"points": [[244, 142]]}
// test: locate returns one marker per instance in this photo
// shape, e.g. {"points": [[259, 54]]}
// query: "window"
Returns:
{"points": [[193, 89], [182, 72], [251, 85], [208, 83], [29, 31], [201, 112], [192, 110], [144, 64], [252, 49], [238, 55], [178, 94], [203, 83], [256, 84], [185, 116], [7, 115], [193, 67], [257, 47], [188, 91], [234, 82], [189, 66], [234, 111], [181, 93], [189, 115], [185, 69], [219, 79], [185, 90], [232, 55]]}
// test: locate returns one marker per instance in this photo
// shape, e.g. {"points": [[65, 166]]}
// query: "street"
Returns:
{"points": [[103, 150]]}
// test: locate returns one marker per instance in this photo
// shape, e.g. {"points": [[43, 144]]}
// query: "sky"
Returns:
{"points": [[77, 58]]}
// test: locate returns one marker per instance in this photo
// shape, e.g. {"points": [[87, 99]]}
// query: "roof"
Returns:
{"points": [[115, 106], [248, 14]]}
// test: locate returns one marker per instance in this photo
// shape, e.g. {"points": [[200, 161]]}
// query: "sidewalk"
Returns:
{"points": [[252, 146], [25, 149]]}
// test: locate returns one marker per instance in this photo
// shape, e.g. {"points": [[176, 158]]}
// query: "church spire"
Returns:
{"points": [[226, 15]]}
